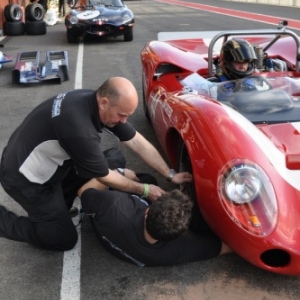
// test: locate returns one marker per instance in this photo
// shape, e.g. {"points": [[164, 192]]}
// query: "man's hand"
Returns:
{"points": [[154, 192], [182, 178], [130, 174]]}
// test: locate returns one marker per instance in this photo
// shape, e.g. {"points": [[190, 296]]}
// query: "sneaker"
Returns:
{"points": [[76, 212], [73, 211]]}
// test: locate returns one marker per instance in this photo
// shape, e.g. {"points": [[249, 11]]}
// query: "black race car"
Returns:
{"points": [[103, 18]]}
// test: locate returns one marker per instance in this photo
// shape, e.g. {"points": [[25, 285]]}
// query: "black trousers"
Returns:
{"points": [[62, 8], [48, 224]]}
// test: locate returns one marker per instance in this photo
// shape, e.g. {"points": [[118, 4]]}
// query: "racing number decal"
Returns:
{"points": [[89, 14]]}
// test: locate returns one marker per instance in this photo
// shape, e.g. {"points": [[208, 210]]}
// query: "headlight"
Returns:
{"points": [[73, 20], [242, 184], [248, 197], [126, 18]]}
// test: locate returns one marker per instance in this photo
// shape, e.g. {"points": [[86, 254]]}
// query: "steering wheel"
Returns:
{"points": [[246, 84], [233, 86]]}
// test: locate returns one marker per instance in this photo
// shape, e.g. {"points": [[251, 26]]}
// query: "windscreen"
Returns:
{"points": [[260, 99], [106, 3]]}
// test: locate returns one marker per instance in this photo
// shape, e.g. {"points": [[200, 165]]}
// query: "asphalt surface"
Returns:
{"points": [[89, 272]]}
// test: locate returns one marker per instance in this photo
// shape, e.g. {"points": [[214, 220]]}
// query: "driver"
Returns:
{"points": [[237, 60]]}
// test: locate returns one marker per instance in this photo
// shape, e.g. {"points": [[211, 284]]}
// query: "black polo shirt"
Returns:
{"points": [[62, 130], [118, 219]]}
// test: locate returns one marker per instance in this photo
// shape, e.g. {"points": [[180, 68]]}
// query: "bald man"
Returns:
{"points": [[57, 148]]}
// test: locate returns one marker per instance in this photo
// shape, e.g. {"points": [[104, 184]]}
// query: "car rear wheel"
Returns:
{"points": [[71, 37], [128, 36]]}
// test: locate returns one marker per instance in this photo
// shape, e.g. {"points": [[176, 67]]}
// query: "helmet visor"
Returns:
{"points": [[242, 52]]}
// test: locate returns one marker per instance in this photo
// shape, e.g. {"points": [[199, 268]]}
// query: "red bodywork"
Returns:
{"points": [[219, 138]]}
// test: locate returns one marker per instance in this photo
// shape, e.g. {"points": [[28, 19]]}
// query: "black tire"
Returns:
{"points": [[13, 28], [13, 13], [128, 36], [198, 223], [71, 37], [35, 27], [185, 165], [34, 12]]}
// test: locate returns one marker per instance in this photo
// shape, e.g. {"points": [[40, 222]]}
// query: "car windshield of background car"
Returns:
{"points": [[107, 3]]}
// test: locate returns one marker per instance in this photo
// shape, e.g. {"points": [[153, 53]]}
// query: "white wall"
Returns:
{"points": [[274, 2]]}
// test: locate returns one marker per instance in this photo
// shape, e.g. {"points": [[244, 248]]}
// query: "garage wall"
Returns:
{"points": [[273, 2]]}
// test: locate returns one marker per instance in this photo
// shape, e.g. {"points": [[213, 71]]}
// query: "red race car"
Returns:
{"points": [[242, 147]]}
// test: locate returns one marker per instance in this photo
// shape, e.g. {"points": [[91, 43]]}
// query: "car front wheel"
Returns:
{"points": [[71, 37], [198, 223], [128, 36]]}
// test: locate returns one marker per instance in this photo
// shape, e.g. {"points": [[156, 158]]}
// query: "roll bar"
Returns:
{"points": [[279, 32]]}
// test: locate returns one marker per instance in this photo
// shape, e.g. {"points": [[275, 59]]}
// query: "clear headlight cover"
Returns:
{"points": [[73, 20], [126, 18], [242, 185], [248, 197]]}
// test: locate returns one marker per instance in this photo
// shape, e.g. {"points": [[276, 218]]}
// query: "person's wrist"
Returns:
{"points": [[121, 171], [146, 190], [171, 175]]}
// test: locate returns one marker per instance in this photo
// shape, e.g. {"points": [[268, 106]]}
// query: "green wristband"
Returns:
{"points": [[146, 190]]}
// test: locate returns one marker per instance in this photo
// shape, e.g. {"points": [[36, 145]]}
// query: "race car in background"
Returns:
{"points": [[102, 18], [242, 147]]}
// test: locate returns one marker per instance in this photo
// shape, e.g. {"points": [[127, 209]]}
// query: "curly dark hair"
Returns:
{"points": [[169, 216]]}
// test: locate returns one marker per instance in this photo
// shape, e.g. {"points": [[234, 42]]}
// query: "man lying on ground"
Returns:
{"points": [[147, 235]]}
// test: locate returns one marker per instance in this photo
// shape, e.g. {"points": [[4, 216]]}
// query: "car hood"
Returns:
{"points": [[111, 11], [99, 12]]}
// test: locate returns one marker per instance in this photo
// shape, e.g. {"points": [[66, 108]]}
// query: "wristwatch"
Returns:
{"points": [[171, 175], [121, 171]]}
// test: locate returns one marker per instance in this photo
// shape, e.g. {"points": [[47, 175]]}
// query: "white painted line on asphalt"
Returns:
{"points": [[70, 285], [78, 74]]}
